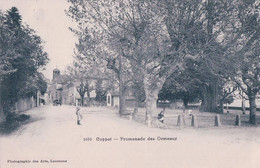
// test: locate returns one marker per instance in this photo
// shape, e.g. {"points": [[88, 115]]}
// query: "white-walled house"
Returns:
{"points": [[113, 99]]}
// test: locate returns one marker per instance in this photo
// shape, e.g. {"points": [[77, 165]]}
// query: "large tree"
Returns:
{"points": [[95, 46], [248, 53], [22, 57], [156, 37], [213, 36]]}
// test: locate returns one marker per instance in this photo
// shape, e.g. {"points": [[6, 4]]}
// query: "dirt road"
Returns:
{"points": [[52, 139]]}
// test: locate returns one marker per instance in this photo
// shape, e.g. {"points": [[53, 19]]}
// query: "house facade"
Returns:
{"points": [[112, 98], [63, 90]]}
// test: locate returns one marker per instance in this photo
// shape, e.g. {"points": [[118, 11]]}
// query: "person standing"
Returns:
{"points": [[79, 116]]}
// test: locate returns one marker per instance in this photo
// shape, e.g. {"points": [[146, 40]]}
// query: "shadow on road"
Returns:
{"points": [[14, 122]]}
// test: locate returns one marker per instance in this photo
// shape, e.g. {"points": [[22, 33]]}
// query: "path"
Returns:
{"points": [[53, 134]]}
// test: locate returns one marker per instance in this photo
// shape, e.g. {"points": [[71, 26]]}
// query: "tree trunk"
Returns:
{"points": [[122, 103], [122, 89], [210, 98], [151, 101], [252, 115], [2, 115], [243, 106], [221, 107], [88, 94], [205, 105], [152, 89], [82, 100], [214, 98], [185, 102]]}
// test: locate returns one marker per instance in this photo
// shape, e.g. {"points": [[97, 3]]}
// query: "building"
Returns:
{"points": [[113, 98], [63, 89], [55, 89]]}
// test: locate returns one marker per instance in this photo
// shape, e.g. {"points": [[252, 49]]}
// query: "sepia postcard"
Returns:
{"points": [[129, 83]]}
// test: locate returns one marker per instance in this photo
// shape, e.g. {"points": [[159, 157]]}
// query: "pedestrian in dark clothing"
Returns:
{"points": [[161, 116]]}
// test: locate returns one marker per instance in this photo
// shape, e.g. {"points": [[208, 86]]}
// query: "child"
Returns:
{"points": [[161, 116], [79, 116], [190, 112]]}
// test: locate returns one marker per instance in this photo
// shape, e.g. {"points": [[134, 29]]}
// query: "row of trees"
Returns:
{"points": [[21, 58], [204, 46]]}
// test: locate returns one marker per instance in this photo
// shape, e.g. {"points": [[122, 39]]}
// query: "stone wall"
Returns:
{"points": [[25, 104]]}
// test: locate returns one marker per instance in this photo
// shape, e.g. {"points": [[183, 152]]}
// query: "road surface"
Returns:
{"points": [[52, 139]]}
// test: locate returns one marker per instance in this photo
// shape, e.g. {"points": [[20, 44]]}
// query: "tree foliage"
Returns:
{"points": [[181, 86], [21, 58], [247, 74], [158, 38]]}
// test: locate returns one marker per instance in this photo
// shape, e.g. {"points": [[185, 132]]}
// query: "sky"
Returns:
{"points": [[48, 19]]}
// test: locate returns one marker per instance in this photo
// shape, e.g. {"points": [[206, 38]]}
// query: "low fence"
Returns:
{"points": [[176, 118], [194, 106]]}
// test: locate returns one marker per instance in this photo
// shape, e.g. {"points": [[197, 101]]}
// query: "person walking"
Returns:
{"points": [[79, 116]]}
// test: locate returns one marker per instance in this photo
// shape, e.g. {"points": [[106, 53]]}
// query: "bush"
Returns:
{"points": [[16, 117]]}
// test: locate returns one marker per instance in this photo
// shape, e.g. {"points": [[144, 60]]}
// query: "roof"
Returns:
{"points": [[56, 70], [114, 93]]}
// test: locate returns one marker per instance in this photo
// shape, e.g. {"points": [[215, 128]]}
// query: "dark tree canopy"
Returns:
{"points": [[21, 59]]}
